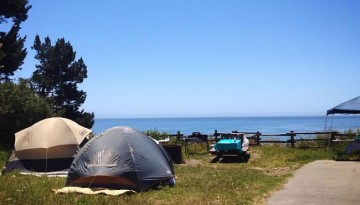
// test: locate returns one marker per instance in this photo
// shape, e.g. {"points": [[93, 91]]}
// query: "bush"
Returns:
{"points": [[19, 108], [156, 134]]}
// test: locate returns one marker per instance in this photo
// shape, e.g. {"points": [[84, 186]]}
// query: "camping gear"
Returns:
{"points": [[48, 145], [175, 152], [229, 144], [349, 107], [121, 158], [80, 190], [232, 144], [353, 147]]}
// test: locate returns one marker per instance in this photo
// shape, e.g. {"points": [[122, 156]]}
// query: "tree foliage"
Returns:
{"points": [[14, 9], [57, 77], [12, 51], [20, 107], [55, 81]]}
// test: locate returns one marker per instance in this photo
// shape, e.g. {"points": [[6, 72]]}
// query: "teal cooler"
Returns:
{"points": [[229, 145]]}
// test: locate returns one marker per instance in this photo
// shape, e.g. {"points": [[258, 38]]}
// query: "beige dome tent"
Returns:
{"points": [[48, 145]]}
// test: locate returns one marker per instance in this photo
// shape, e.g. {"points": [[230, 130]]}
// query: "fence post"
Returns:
{"points": [[216, 135], [332, 137], [178, 137], [292, 138], [258, 134]]}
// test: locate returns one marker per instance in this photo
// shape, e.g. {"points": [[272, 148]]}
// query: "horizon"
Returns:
{"points": [[293, 116]]}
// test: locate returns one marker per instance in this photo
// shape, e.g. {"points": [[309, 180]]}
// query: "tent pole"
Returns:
{"points": [[329, 130], [326, 123], [325, 129], [46, 159]]}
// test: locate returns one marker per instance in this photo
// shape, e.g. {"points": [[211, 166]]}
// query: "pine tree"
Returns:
{"points": [[12, 51], [57, 77], [14, 9]]}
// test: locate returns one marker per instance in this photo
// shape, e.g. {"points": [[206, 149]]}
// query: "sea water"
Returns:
{"points": [[208, 125]]}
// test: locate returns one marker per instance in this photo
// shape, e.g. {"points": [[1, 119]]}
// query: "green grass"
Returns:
{"points": [[3, 158], [198, 181]]}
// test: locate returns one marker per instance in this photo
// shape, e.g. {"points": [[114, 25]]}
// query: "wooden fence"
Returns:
{"points": [[256, 137]]}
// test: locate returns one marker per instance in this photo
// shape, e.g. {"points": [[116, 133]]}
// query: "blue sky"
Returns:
{"points": [[199, 58]]}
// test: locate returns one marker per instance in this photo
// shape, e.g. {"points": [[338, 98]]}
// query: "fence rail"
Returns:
{"points": [[328, 136]]}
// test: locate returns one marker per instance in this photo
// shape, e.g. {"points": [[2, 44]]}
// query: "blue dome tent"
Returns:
{"points": [[121, 158]]}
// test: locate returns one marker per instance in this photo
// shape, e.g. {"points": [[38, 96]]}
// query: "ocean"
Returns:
{"points": [[207, 125]]}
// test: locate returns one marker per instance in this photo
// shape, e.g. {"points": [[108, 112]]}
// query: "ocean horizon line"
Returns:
{"points": [[200, 117]]}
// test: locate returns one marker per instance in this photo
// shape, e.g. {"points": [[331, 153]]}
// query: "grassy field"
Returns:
{"points": [[198, 181]]}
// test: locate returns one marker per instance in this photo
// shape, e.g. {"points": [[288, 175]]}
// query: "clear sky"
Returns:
{"points": [[200, 58]]}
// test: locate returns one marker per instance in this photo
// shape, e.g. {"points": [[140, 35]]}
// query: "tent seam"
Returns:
{"points": [[132, 156]]}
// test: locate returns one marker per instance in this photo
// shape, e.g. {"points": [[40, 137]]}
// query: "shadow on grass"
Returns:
{"points": [[346, 158], [231, 159]]}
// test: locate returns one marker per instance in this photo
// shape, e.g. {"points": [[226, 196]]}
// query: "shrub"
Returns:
{"points": [[157, 134], [19, 108]]}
